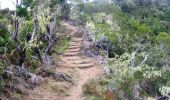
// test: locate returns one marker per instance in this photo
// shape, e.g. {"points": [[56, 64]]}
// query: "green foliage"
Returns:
{"points": [[21, 11], [65, 11], [165, 87], [55, 2], [25, 8], [1, 86], [125, 76], [4, 38], [84, 18], [167, 13], [43, 17], [33, 17], [164, 37], [1, 67], [134, 28], [35, 64], [154, 24], [62, 45], [29, 3], [165, 90], [138, 27], [26, 27], [1, 71], [91, 8]]}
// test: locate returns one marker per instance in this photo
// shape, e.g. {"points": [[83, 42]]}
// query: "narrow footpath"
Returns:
{"points": [[87, 68], [83, 69]]}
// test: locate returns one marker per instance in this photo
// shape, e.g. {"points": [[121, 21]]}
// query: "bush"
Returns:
{"points": [[125, 77], [22, 11]]}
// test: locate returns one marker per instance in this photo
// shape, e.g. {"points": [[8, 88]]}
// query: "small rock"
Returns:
{"points": [[36, 80], [21, 89]]}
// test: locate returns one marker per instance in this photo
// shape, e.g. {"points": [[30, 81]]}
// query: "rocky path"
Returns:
{"points": [[82, 69]]}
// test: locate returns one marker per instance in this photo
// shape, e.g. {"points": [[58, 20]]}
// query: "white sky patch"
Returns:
{"points": [[8, 4], [91, 0], [69, 1], [11, 4]]}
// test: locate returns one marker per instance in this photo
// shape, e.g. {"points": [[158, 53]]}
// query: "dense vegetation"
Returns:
{"points": [[28, 39], [134, 35]]}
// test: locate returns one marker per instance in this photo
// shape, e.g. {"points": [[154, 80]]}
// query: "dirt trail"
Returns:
{"points": [[87, 68], [82, 69]]}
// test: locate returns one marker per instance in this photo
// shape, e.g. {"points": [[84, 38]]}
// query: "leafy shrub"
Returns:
{"points": [[1, 86], [125, 77], [84, 18], [1, 72], [26, 27], [62, 45], [22, 11]]}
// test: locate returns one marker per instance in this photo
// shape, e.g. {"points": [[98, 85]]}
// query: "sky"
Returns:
{"points": [[11, 4], [8, 4], [69, 1]]}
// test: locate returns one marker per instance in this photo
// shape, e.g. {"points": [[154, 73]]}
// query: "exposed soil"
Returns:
{"points": [[72, 63]]}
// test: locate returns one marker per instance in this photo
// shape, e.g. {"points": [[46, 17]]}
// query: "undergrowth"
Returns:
{"points": [[62, 45], [97, 90]]}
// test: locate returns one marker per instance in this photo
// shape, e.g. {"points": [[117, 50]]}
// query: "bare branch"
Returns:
{"points": [[133, 56], [144, 60]]}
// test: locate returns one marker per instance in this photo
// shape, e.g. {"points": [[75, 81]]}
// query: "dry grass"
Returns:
{"points": [[94, 91], [90, 88]]}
